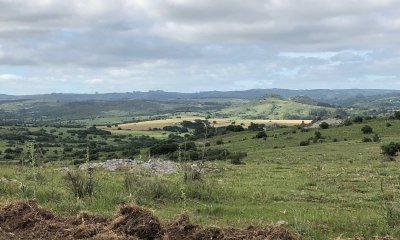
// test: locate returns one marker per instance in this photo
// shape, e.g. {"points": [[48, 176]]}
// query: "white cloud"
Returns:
{"points": [[9, 78]]}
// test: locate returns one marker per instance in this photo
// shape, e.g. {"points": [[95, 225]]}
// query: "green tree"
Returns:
{"points": [[367, 129]]}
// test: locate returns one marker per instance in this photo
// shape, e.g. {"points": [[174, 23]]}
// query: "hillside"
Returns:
{"points": [[274, 107], [50, 110], [331, 96], [335, 186]]}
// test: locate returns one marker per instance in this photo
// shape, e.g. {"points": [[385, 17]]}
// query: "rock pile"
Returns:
{"points": [[154, 165]]}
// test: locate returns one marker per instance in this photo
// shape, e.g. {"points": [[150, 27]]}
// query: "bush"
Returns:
{"points": [[79, 184], [391, 149], [367, 129], [397, 115], [261, 135], [162, 149], [78, 161], [256, 127], [367, 139], [318, 135], [305, 143], [358, 119], [324, 125], [235, 128], [236, 158], [376, 138], [348, 122], [388, 124], [216, 154]]}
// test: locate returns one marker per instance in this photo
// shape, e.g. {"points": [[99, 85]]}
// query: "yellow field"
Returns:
{"points": [[217, 122]]}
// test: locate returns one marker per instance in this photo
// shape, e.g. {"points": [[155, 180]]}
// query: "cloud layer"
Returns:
{"points": [[187, 45]]}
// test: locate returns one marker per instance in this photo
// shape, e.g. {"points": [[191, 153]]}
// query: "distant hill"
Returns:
{"points": [[275, 107], [344, 96]]}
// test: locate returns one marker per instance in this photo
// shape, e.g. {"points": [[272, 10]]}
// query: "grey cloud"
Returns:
{"points": [[225, 44]]}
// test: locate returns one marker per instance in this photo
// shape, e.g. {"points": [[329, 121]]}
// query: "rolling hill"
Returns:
{"points": [[275, 107]]}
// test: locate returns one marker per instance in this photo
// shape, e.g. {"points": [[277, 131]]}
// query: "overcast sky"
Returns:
{"points": [[196, 45]]}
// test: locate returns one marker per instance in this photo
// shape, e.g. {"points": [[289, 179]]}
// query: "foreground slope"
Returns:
{"points": [[338, 186]]}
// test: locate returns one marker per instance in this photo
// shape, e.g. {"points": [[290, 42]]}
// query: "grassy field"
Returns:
{"points": [[339, 186], [271, 108], [217, 122]]}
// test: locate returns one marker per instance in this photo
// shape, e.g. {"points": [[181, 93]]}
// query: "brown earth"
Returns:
{"points": [[27, 220]]}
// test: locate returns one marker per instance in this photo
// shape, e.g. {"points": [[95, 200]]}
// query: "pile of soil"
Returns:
{"points": [[27, 220]]}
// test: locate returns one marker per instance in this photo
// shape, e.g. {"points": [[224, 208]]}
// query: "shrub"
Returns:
{"points": [[8, 157], [388, 124], [391, 149], [78, 184], [367, 139], [318, 135], [367, 129], [235, 128], [376, 138], [237, 157], [397, 115], [216, 154], [305, 143], [348, 122], [256, 127], [162, 149], [358, 119], [78, 161], [261, 135], [191, 173], [324, 125]]}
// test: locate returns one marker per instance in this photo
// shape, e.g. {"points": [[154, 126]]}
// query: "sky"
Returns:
{"points": [[87, 46]]}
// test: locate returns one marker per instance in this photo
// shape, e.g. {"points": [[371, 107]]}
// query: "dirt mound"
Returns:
{"points": [[139, 222], [26, 220]]}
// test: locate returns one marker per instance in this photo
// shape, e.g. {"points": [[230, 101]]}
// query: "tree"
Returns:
{"points": [[235, 128], [367, 129], [256, 127], [324, 125]]}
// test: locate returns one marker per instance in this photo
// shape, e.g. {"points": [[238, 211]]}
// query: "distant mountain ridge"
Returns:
{"points": [[332, 96]]}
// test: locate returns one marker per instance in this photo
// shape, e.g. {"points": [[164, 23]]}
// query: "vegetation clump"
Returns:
{"points": [[261, 135], [391, 149], [237, 157], [367, 129], [324, 125]]}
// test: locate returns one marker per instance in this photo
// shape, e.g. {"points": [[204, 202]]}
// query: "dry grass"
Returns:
{"points": [[219, 122], [27, 220]]}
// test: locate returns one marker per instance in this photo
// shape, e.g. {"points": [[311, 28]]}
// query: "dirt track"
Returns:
{"points": [[26, 220]]}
